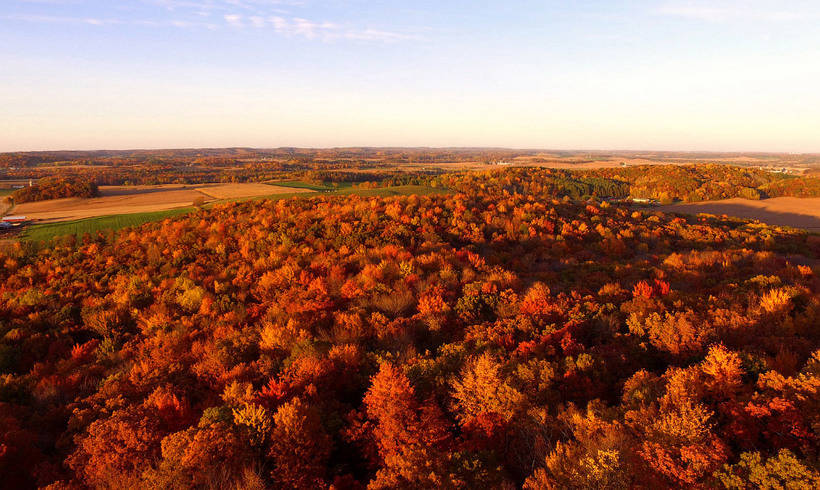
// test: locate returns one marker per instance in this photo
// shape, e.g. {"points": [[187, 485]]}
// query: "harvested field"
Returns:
{"points": [[112, 200], [778, 211], [237, 191], [116, 200]]}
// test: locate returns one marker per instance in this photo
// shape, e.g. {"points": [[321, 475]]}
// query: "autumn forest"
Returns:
{"points": [[520, 327]]}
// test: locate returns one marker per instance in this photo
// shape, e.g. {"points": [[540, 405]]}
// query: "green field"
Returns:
{"points": [[6, 192], [48, 231], [299, 184], [272, 197]]}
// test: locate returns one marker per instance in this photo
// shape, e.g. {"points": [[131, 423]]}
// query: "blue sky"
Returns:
{"points": [[643, 74]]}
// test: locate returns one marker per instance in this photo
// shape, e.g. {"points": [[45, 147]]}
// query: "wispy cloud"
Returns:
{"points": [[233, 20], [53, 2], [728, 10], [298, 27], [52, 19], [208, 7], [102, 22], [278, 16]]}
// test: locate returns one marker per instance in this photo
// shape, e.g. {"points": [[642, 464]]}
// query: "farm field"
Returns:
{"points": [[779, 211], [113, 200], [45, 232], [239, 191], [116, 200]]}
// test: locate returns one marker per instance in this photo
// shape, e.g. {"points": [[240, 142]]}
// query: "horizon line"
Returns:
{"points": [[420, 147]]}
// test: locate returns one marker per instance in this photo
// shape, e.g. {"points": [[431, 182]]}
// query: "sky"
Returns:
{"points": [[721, 75]]}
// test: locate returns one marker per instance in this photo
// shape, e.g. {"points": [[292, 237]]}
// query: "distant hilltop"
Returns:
{"points": [[409, 154]]}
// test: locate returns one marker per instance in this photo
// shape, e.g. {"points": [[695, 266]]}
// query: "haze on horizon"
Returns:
{"points": [[719, 75]]}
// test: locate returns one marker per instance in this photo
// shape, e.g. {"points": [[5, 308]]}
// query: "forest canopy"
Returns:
{"points": [[512, 333], [56, 188], [694, 183]]}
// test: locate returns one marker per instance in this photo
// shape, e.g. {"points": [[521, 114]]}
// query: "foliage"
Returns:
{"points": [[781, 471], [56, 188], [500, 335], [693, 183]]}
